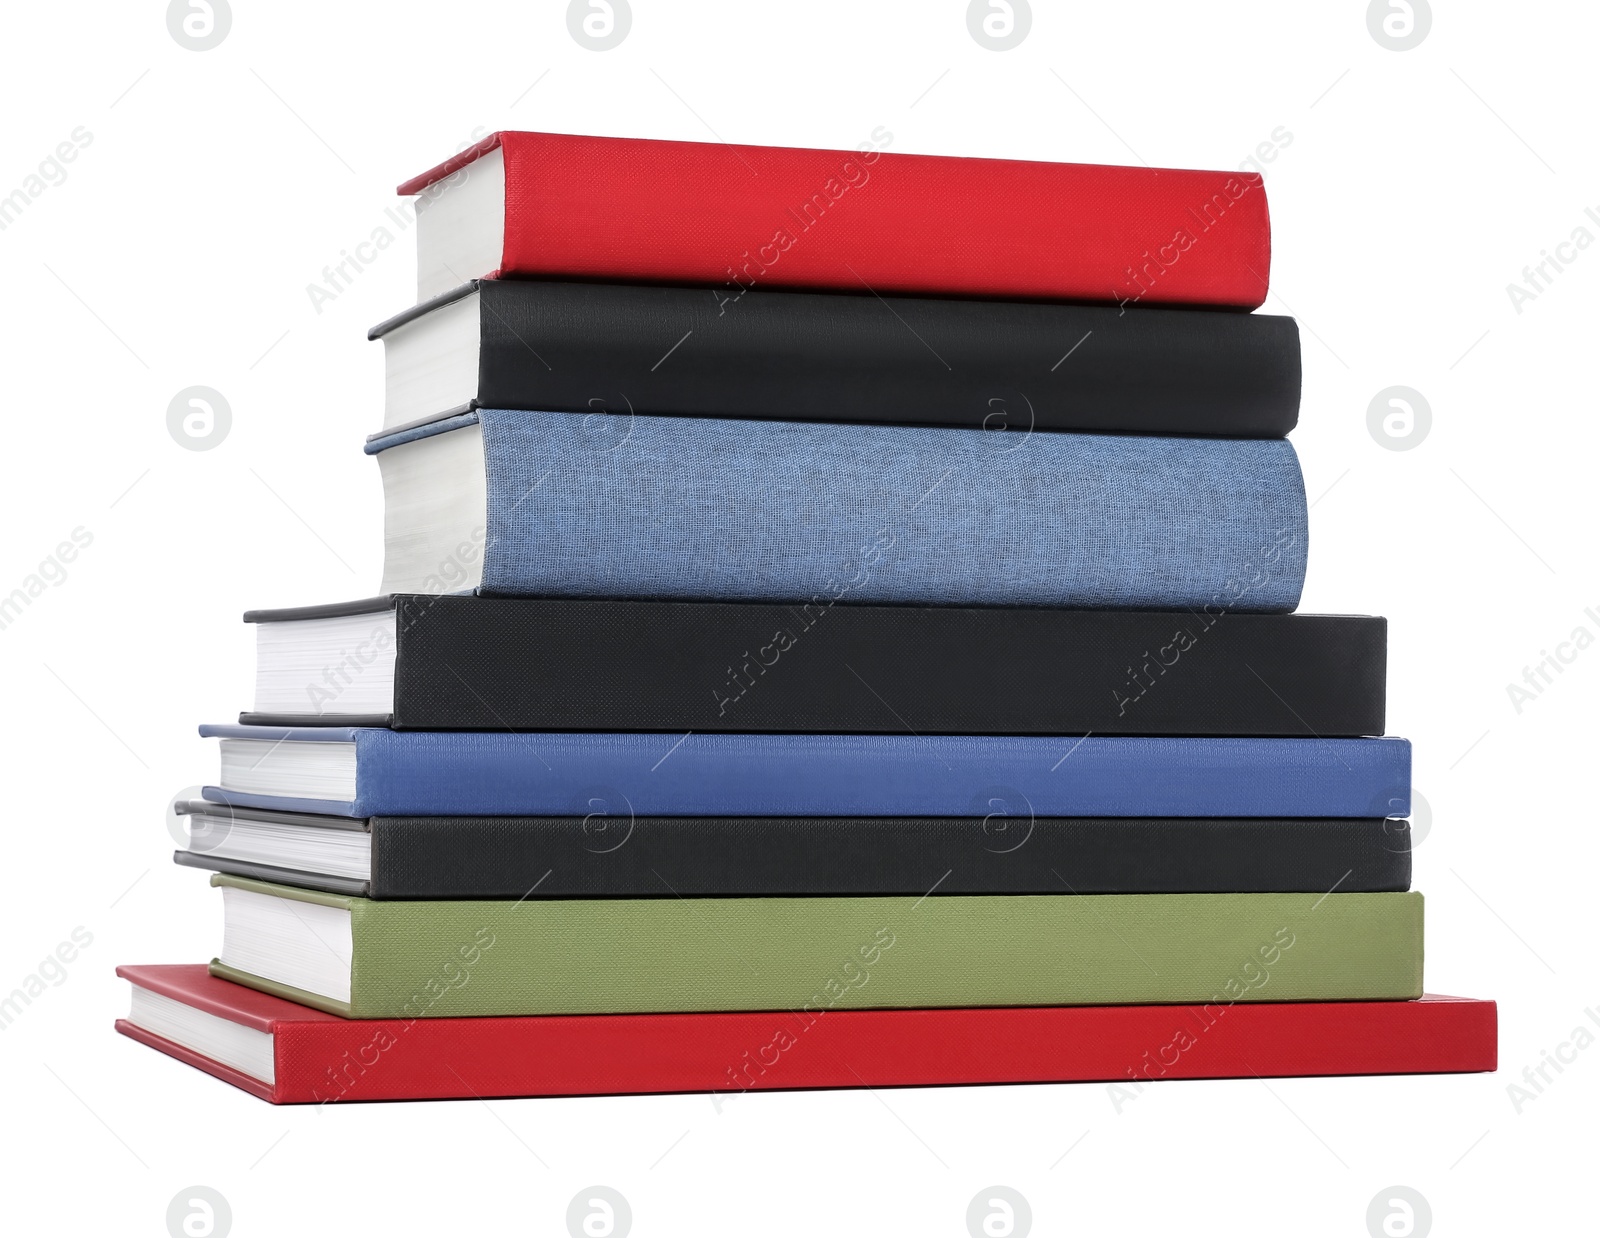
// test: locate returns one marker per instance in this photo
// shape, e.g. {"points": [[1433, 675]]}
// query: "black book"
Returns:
{"points": [[417, 662], [808, 356], [701, 857]]}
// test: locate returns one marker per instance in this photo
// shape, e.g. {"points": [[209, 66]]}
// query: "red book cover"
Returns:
{"points": [[320, 1057], [873, 221]]}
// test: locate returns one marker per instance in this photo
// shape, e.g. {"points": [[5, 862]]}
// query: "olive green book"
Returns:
{"points": [[365, 959]]}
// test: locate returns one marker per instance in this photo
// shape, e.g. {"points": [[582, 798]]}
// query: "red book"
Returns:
{"points": [[288, 1054], [552, 205]]}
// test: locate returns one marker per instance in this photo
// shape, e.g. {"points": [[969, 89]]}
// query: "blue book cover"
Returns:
{"points": [[617, 505], [478, 773]]}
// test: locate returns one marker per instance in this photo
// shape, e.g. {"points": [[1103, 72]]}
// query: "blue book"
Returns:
{"points": [[617, 505], [364, 772]]}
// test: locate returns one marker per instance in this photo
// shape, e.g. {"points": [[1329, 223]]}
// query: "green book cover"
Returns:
{"points": [[607, 956]]}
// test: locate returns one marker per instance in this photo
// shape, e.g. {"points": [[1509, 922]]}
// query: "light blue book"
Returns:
{"points": [[617, 505]]}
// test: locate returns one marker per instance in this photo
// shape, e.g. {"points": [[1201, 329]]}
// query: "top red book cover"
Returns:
{"points": [[870, 220]]}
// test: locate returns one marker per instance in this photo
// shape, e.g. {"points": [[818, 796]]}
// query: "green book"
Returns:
{"points": [[365, 959]]}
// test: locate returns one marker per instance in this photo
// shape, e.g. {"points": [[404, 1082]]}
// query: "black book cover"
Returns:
{"points": [[803, 356], [1009, 852], [476, 663]]}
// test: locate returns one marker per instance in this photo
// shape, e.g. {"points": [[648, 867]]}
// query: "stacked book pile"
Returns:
{"points": [[837, 629]]}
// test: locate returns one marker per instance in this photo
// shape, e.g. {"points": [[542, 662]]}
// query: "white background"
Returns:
{"points": [[218, 184]]}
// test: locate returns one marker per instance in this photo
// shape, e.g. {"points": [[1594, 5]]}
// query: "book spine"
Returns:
{"points": [[1017, 366], [817, 513], [444, 773], [1005, 852], [534, 664], [610, 956], [729, 1054], [737, 218]]}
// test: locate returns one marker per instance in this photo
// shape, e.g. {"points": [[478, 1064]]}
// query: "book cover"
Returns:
{"points": [[572, 346], [1005, 852], [612, 956], [482, 773], [737, 217], [320, 1058], [479, 663], [803, 512]]}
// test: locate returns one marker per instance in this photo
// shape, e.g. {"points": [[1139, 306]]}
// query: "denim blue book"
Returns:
{"points": [[615, 505], [368, 772]]}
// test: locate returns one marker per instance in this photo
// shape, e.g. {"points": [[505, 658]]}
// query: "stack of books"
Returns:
{"points": [[836, 631]]}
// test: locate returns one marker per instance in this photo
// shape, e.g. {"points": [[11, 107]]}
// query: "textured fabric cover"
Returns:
{"points": [[608, 664], [478, 773], [667, 507], [812, 356], [568, 664], [597, 956], [599, 856], [323, 1058], [660, 857], [870, 219]]}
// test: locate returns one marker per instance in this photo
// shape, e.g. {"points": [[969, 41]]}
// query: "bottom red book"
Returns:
{"points": [[289, 1054]]}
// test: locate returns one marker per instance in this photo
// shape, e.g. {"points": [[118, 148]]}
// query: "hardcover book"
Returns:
{"points": [[447, 662], [568, 505], [289, 1054], [866, 221], [372, 772], [803, 356], [598, 856], [368, 959]]}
